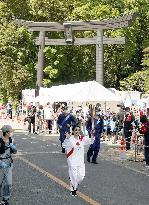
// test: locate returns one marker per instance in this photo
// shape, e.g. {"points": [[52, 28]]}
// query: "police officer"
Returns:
{"points": [[7, 148], [94, 148], [88, 123], [65, 121]]}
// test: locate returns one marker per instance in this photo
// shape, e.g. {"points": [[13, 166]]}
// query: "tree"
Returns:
{"points": [[17, 66], [145, 61], [71, 63], [136, 81]]}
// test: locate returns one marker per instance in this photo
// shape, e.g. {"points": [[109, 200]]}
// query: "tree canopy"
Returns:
{"points": [[125, 66]]}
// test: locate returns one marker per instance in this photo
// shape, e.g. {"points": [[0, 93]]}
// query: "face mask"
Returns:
{"points": [[11, 134]]}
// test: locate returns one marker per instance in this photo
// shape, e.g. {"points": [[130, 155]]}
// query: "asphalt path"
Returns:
{"points": [[40, 176]]}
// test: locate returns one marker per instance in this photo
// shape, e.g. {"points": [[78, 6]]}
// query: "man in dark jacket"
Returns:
{"points": [[65, 121], [94, 148], [88, 124], [128, 119]]}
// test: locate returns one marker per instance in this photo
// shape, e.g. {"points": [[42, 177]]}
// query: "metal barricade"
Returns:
{"points": [[138, 145]]}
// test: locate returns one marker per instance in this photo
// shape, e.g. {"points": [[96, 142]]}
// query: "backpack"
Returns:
{"points": [[2, 145]]}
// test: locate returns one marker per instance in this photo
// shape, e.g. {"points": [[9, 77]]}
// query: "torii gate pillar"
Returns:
{"points": [[42, 27], [40, 65], [99, 58]]}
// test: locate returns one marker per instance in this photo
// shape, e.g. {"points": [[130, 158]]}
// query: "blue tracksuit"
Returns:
{"points": [[94, 148], [98, 126], [89, 125], [65, 122]]}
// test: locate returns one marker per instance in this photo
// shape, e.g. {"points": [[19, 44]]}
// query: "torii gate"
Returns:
{"points": [[68, 28]]}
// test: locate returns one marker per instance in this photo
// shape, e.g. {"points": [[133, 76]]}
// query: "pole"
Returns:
{"points": [[99, 57], [40, 66]]}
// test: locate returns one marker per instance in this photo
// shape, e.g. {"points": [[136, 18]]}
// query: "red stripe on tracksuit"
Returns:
{"points": [[81, 138], [72, 150], [70, 153]]}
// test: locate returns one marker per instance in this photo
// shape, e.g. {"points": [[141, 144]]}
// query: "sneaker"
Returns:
{"points": [[88, 157], [73, 193], [63, 150], [5, 202], [94, 162]]}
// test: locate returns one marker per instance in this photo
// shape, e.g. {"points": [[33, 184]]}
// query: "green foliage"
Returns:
{"points": [[125, 66], [137, 81], [69, 64], [145, 61], [17, 58]]}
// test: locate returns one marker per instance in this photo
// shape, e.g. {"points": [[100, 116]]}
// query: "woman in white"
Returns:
{"points": [[74, 145]]}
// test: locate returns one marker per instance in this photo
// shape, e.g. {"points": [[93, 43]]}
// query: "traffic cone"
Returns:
{"points": [[122, 149]]}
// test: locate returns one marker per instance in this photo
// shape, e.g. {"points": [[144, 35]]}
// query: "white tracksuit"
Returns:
{"points": [[75, 158]]}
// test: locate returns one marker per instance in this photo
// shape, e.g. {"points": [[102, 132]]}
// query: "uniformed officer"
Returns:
{"points": [[88, 123], [94, 148], [65, 121]]}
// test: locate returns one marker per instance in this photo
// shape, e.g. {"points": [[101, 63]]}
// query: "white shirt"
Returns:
{"points": [[48, 113], [75, 149]]}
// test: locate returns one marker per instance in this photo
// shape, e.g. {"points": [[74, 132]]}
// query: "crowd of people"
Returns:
{"points": [[104, 125], [8, 110], [77, 128]]}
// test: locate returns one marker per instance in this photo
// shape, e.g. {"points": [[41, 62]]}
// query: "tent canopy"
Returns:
{"points": [[90, 91]]}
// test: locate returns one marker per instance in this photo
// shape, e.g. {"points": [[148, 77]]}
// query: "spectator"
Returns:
{"points": [[48, 116], [9, 110], [129, 118], [40, 118], [145, 130], [7, 148], [31, 118]]}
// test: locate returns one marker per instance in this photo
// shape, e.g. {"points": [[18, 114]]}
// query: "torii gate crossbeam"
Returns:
{"points": [[99, 26]]}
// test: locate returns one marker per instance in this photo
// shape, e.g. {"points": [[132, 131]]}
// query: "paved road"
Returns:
{"points": [[40, 159]]}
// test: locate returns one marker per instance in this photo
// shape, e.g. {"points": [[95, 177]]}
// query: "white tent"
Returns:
{"points": [[90, 91]]}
